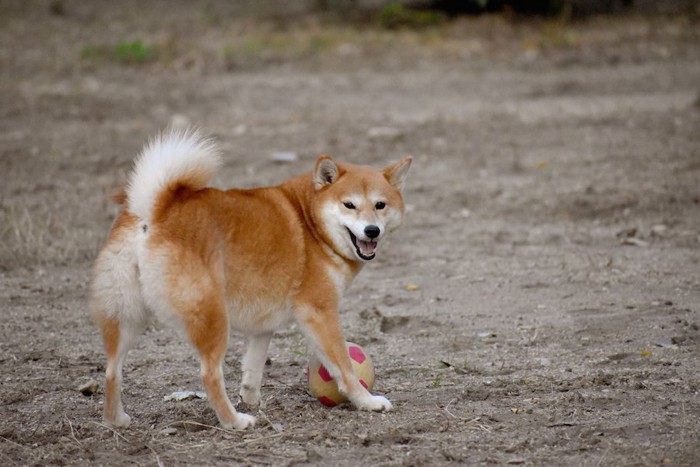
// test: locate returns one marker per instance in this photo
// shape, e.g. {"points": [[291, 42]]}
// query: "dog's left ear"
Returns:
{"points": [[396, 173], [326, 172]]}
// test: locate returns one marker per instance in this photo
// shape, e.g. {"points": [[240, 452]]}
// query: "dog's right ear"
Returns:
{"points": [[396, 173], [325, 173]]}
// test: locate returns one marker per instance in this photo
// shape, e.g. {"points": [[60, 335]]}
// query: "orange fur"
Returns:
{"points": [[110, 334], [251, 259]]}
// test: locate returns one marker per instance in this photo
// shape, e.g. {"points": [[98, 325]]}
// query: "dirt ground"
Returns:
{"points": [[540, 305]]}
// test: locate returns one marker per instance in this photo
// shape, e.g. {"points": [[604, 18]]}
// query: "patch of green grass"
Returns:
{"points": [[251, 47], [265, 44], [90, 51], [131, 52], [556, 36], [557, 33], [397, 16]]}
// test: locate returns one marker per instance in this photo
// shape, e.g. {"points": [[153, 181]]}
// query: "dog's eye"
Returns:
{"points": [[349, 205], [380, 205]]}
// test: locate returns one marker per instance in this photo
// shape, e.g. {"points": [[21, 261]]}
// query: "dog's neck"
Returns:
{"points": [[300, 191]]}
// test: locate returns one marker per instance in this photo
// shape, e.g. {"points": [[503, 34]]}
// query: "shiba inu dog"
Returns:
{"points": [[254, 260]]}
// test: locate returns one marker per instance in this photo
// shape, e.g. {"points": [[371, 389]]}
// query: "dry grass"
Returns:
{"points": [[45, 221], [323, 41], [50, 232]]}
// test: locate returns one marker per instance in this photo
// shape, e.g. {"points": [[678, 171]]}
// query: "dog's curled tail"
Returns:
{"points": [[175, 159]]}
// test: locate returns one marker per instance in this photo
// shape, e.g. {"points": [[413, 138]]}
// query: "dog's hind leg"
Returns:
{"points": [[252, 364], [118, 339], [119, 310], [208, 329]]}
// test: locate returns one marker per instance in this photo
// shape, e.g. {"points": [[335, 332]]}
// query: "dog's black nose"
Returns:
{"points": [[372, 231]]}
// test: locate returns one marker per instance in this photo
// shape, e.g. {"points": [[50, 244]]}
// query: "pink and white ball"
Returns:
{"points": [[324, 387]]}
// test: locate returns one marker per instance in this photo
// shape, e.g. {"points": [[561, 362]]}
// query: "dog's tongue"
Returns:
{"points": [[366, 248]]}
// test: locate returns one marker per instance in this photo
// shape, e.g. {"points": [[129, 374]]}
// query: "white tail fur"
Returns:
{"points": [[180, 157]]}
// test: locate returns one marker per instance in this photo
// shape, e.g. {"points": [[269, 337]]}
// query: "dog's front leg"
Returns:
{"points": [[322, 329], [252, 364]]}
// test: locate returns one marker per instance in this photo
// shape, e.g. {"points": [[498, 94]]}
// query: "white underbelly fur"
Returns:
{"points": [[258, 316]]}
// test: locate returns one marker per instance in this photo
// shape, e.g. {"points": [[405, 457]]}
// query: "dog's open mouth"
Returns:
{"points": [[365, 250]]}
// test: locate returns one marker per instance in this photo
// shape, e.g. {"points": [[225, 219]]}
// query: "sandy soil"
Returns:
{"points": [[540, 306]]}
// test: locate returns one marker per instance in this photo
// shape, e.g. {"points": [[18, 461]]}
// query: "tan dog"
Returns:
{"points": [[256, 259]]}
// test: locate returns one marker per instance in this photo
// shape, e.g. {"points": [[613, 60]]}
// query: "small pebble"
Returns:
{"points": [[89, 388], [284, 157], [659, 230], [382, 132], [632, 241]]}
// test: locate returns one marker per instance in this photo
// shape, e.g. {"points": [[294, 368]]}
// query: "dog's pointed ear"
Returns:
{"points": [[326, 172], [396, 173]]}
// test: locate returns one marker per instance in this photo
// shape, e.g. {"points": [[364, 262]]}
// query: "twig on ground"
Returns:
{"points": [[479, 425], [204, 425], [9, 458], [116, 433], [600, 461], [158, 461], [16, 444], [72, 432], [447, 411], [262, 438], [275, 427]]}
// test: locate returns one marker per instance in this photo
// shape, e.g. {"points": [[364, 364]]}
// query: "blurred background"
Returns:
{"points": [[538, 307]]}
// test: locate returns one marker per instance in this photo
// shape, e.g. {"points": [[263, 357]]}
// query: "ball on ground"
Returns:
{"points": [[324, 387]]}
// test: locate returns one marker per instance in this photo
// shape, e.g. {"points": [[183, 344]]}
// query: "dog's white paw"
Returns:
{"points": [[242, 421], [121, 420], [374, 404], [250, 397]]}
